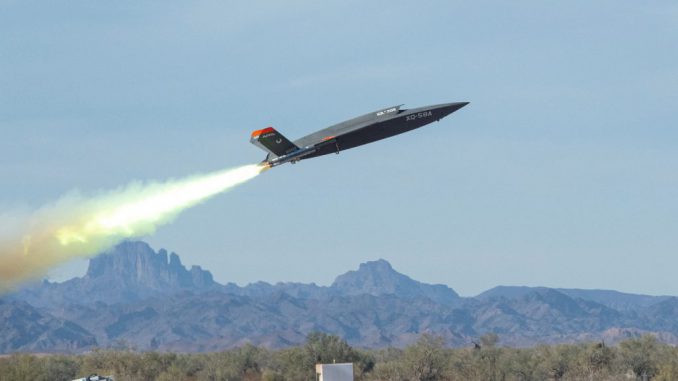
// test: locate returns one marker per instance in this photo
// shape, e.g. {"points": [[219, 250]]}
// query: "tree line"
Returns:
{"points": [[428, 359]]}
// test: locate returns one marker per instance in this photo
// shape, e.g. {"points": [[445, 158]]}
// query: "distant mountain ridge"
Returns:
{"points": [[132, 271], [134, 295], [613, 299], [25, 328]]}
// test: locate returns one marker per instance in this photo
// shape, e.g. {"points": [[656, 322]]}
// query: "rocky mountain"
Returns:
{"points": [[544, 315], [129, 272], [613, 299], [137, 273], [215, 320], [25, 328], [378, 278], [134, 296], [662, 316]]}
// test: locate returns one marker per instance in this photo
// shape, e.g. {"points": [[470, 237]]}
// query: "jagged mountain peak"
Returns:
{"points": [[378, 265], [373, 277], [128, 272], [135, 263], [125, 256], [380, 278]]}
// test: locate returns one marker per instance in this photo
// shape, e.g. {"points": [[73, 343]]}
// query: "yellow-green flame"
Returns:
{"points": [[83, 227]]}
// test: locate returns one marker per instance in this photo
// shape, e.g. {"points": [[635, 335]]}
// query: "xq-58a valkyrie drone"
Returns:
{"points": [[351, 133]]}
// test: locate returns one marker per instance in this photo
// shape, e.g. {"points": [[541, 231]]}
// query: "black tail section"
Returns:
{"points": [[272, 141]]}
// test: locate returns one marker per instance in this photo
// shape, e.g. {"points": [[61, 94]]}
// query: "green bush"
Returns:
{"points": [[428, 359]]}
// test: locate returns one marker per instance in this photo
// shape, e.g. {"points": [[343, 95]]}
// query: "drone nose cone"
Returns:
{"points": [[449, 108], [455, 106]]}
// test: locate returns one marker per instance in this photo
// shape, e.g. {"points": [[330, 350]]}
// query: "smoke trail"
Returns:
{"points": [[79, 227]]}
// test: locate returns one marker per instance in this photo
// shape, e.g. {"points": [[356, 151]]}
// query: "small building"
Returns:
{"points": [[334, 372]]}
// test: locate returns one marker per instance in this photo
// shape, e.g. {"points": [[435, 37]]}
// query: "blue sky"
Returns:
{"points": [[562, 172]]}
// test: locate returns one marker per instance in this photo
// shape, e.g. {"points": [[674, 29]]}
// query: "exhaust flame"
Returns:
{"points": [[77, 227]]}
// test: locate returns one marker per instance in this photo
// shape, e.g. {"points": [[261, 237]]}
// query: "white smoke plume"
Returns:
{"points": [[77, 226]]}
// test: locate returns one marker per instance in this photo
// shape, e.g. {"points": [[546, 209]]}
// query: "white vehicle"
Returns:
{"points": [[95, 377]]}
